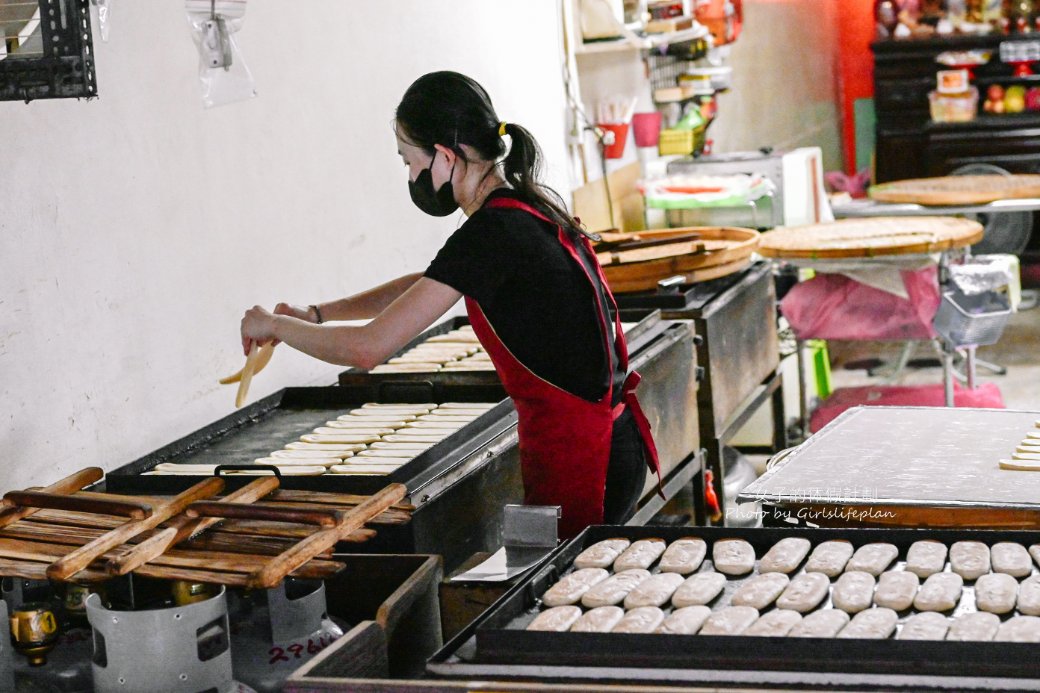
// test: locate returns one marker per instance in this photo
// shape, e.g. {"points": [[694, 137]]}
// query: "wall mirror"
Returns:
{"points": [[46, 51]]}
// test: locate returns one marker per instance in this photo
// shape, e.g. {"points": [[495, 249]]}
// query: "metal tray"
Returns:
{"points": [[497, 645], [284, 416]]}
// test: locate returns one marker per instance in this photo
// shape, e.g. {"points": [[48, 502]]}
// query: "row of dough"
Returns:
{"points": [[457, 350], [1026, 456], [876, 623], [373, 440], [968, 559]]}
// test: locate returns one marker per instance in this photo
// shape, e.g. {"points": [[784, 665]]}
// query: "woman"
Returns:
{"points": [[534, 293]]}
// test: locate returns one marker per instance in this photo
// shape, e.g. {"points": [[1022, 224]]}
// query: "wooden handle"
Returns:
{"points": [[184, 527], [71, 483], [280, 566], [80, 558], [323, 517], [56, 501]]}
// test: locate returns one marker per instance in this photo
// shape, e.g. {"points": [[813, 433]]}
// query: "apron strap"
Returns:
{"points": [[630, 401]]}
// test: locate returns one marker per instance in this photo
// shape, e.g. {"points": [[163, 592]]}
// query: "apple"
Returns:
{"points": [[1015, 99], [995, 92], [998, 106], [1033, 99]]}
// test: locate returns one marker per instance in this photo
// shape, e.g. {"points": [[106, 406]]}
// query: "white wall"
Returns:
{"points": [[136, 228]]}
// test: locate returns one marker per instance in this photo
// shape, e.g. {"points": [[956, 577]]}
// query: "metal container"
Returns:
{"points": [[971, 320]]}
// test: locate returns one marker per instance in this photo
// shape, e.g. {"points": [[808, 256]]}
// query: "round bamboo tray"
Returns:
{"points": [[718, 251], [958, 190], [870, 237]]}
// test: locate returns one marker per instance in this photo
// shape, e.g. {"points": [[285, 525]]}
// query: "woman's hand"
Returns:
{"points": [[258, 326], [299, 312]]}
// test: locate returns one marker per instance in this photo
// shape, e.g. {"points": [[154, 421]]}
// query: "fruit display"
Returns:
{"points": [[1015, 98]]}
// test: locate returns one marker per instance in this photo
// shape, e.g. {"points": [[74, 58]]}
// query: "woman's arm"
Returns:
{"points": [[363, 306], [362, 346]]}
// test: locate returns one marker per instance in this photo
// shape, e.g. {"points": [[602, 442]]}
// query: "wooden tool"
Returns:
{"points": [[323, 517], [958, 190], [73, 482], [56, 501]]}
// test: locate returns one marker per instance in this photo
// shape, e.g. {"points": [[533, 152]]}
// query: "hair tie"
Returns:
{"points": [[502, 129]]}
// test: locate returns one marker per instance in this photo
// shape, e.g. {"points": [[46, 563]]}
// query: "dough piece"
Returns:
{"points": [[403, 406], [1019, 629], [683, 556], [853, 592], [374, 453], [557, 619], [698, 589], [181, 468], [1029, 596], [573, 585], [733, 556], [385, 414], [969, 559], [310, 454], [926, 557], [364, 469], [896, 590], [785, 555], [928, 625], [340, 438], [362, 425], [346, 447], [685, 621], [777, 623], [1030, 456], [732, 620], [1034, 551], [975, 626], [467, 405], [598, 620], [372, 433], [826, 623], [412, 439], [281, 462], [415, 448], [471, 413], [614, 589], [1011, 558], [1019, 465], [602, 554], [871, 624], [427, 434], [760, 591], [873, 558], [996, 593], [830, 557], [805, 592], [656, 590], [641, 554], [645, 619], [940, 592]]}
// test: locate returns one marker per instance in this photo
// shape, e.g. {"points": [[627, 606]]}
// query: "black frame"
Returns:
{"points": [[66, 68]]}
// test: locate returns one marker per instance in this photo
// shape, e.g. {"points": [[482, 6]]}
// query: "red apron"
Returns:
{"points": [[564, 439]]}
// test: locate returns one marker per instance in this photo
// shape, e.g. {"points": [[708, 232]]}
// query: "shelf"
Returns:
{"points": [[1026, 119], [637, 43]]}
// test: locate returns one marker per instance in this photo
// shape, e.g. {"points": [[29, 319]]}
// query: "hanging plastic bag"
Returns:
{"points": [[104, 13], [224, 75]]}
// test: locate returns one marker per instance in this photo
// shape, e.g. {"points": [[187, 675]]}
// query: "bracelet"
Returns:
{"points": [[317, 314]]}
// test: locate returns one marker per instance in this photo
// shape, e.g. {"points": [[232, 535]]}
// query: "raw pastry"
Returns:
{"points": [[403, 409], [372, 432], [572, 586], [699, 589], [926, 557], [339, 438], [558, 619], [281, 462], [928, 625], [1020, 465], [776, 623], [996, 593], [805, 592], [412, 439], [896, 590], [602, 554], [410, 447], [829, 557], [785, 555], [683, 556], [969, 559], [654, 591], [598, 620], [854, 591], [641, 554], [426, 406], [733, 556], [1034, 551], [940, 592], [760, 591], [873, 558], [1011, 558], [614, 589], [826, 623], [645, 619], [874, 624], [309, 454], [1019, 629], [731, 620], [427, 434], [976, 626], [346, 447], [685, 621], [1029, 596]]}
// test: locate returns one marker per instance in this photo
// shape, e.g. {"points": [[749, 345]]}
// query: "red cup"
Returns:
{"points": [[646, 128], [617, 149]]}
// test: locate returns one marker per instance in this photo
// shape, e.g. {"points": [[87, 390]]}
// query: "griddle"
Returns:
{"points": [[496, 645]]}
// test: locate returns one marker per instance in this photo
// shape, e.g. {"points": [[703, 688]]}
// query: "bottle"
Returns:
{"points": [[886, 15]]}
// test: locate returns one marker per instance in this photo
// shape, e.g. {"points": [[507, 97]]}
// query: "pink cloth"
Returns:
{"points": [[985, 396]]}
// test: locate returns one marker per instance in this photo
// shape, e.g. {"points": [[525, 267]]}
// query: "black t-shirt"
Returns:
{"points": [[534, 294]]}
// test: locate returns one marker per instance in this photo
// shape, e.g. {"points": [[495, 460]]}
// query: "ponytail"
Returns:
{"points": [[522, 169]]}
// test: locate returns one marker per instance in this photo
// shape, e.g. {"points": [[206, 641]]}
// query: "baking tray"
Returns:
{"points": [[270, 423], [496, 645]]}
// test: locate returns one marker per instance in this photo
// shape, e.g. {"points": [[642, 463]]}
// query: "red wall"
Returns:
{"points": [[855, 67]]}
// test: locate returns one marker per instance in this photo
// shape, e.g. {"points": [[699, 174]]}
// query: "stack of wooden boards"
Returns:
{"points": [[373, 440], [457, 350], [253, 537], [870, 237], [1026, 456], [967, 591]]}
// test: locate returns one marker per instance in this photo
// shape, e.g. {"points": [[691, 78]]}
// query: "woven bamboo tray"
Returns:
{"points": [[958, 190], [870, 237], [719, 251]]}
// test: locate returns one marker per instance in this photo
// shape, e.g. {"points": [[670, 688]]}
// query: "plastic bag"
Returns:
{"points": [[104, 14], [833, 306], [224, 75]]}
